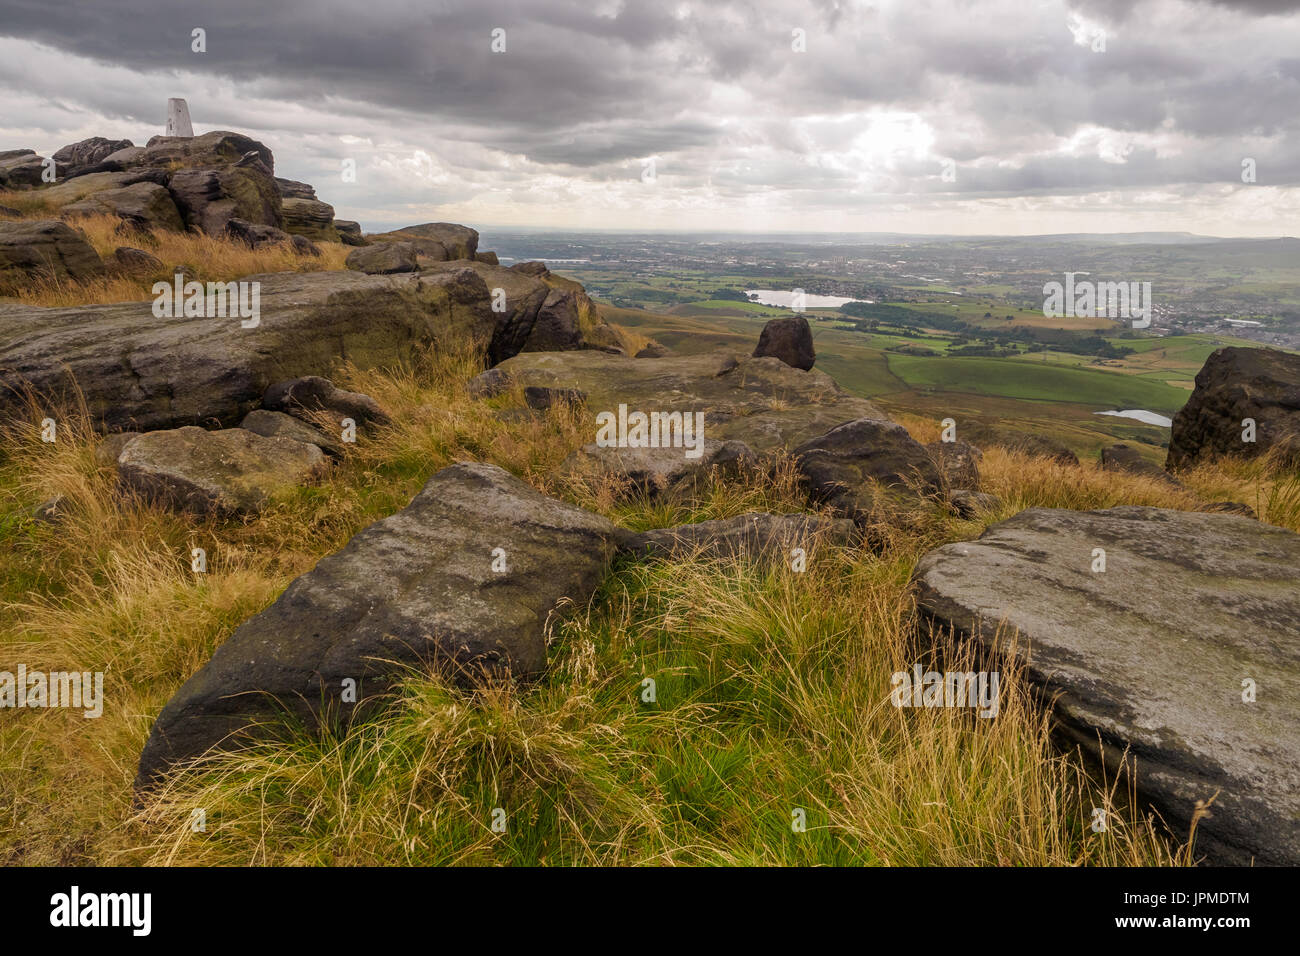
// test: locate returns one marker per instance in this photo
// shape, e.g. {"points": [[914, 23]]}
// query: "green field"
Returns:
{"points": [[1029, 380]]}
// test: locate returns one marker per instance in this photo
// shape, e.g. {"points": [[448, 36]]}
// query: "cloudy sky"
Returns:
{"points": [[927, 116]]}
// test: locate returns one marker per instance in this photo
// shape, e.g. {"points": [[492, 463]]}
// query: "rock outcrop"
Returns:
{"points": [[463, 579], [849, 466], [655, 471], [229, 472], [760, 401], [200, 181], [20, 168], [271, 424], [383, 258], [309, 217], [144, 205], [438, 241], [141, 372], [313, 396], [75, 158], [790, 340], [44, 249], [1234, 385], [1154, 654], [210, 197]]}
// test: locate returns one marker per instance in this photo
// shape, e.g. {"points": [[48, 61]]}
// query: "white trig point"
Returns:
{"points": [[178, 118]]}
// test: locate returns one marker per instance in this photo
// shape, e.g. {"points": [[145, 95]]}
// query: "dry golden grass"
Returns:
{"points": [[772, 686], [200, 257]]}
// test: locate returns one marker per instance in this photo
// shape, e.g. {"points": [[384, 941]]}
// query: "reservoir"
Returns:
{"points": [[785, 299]]}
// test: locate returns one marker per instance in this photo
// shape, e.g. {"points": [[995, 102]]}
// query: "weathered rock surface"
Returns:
{"points": [[535, 268], [69, 191], [309, 217], [383, 258], [20, 169], [655, 471], [760, 401], [957, 462], [44, 248], [1233, 385], [454, 240], [1151, 654], [75, 158], [144, 205], [971, 504], [311, 395], [415, 589], [136, 261], [141, 372], [111, 446], [557, 326], [304, 246], [217, 148], [292, 189], [255, 235], [755, 535], [208, 198], [270, 424], [1129, 460], [848, 465], [228, 472], [350, 232], [790, 340], [541, 398]]}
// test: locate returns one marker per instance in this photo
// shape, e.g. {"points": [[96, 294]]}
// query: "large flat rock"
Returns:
{"points": [[1151, 653], [140, 372], [422, 587], [761, 401], [233, 471]]}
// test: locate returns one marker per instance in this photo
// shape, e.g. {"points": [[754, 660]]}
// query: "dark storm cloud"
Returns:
{"points": [[589, 88]]}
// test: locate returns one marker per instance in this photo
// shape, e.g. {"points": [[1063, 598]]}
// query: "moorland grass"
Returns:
{"points": [[771, 687], [200, 257]]}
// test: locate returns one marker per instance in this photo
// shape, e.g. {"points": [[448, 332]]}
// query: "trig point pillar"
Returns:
{"points": [[178, 118]]}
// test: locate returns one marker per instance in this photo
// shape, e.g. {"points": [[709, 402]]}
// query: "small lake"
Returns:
{"points": [[785, 299], [1142, 415]]}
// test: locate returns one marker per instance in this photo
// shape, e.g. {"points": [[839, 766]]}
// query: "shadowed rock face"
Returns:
{"points": [[846, 466], [760, 401], [788, 339], [416, 589], [142, 372], [1233, 385], [143, 205], [1151, 653], [76, 157], [44, 248]]}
